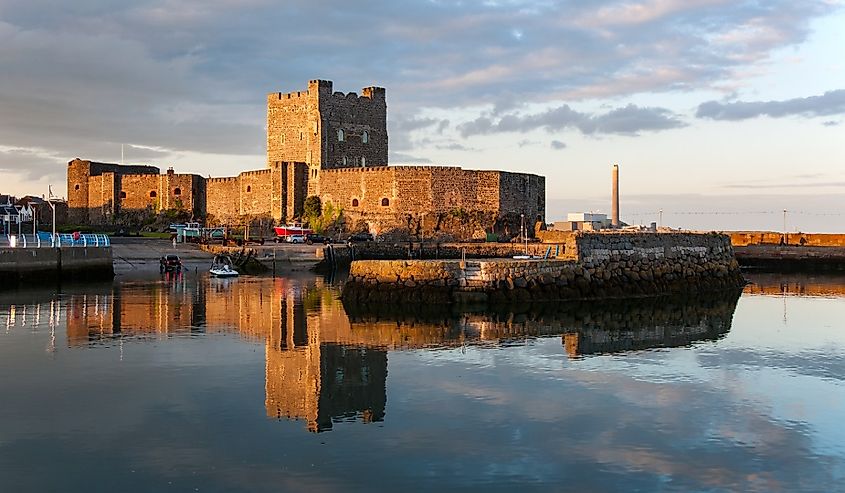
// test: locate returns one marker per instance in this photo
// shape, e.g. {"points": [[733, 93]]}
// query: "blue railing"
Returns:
{"points": [[47, 240]]}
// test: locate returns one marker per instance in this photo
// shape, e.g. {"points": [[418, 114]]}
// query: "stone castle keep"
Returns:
{"points": [[322, 143]]}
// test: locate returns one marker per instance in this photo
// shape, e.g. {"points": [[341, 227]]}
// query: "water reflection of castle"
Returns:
{"points": [[325, 363]]}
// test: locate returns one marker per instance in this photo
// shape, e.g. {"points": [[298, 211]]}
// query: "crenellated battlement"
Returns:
{"points": [[382, 169], [323, 88]]}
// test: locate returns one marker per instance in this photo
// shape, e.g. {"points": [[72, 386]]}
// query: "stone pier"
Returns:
{"points": [[21, 266], [596, 265]]}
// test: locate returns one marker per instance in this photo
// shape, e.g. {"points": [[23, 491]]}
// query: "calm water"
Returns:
{"points": [[256, 384]]}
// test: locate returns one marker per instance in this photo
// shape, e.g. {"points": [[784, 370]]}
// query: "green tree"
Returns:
{"points": [[312, 208]]}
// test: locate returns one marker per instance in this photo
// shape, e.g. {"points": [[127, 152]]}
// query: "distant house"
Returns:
{"points": [[31, 205], [10, 215]]}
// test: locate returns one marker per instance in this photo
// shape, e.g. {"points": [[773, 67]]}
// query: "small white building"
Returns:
{"points": [[582, 221]]}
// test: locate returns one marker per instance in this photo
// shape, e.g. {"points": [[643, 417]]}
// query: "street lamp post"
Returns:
{"points": [[52, 206], [524, 232]]}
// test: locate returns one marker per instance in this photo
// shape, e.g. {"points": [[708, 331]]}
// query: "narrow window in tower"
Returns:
{"points": [[345, 160], [76, 187], [385, 202], [340, 135], [282, 139], [248, 188], [122, 194], [153, 194], [301, 135], [363, 162], [365, 137], [177, 191], [354, 202]]}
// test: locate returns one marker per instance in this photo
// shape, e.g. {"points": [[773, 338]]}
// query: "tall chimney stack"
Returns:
{"points": [[614, 221]]}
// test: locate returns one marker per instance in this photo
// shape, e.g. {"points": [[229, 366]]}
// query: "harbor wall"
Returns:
{"points": [[23, 265], [340, 256], [746, 238], [597, 265]]}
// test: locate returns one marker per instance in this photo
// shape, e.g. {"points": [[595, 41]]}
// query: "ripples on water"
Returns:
{"points": [[230, 385]]}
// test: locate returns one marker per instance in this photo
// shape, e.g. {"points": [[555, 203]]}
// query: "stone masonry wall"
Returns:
{"points": [[134, 192], [607, 266], [303, 126], [102, 197], [293, 124], [103, 193], [363, 120], [222, 200], [523, 193], [423, 200], [276, 193], [256, 192], [80, 194]]}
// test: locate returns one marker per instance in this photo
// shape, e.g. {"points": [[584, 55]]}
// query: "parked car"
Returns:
{"points": [[361, 237], [296, 239], [312, 238], [170, 263]]}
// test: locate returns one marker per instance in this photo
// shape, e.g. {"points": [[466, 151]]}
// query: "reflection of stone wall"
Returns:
{"points": [[308, 377], [772, 284], [322, 365], [587, 327], [323, 382]]}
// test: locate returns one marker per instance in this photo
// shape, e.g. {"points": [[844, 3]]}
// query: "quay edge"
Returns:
{"points": [[596, 265]]}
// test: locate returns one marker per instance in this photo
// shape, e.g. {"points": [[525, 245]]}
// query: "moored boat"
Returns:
{"points": [[222, 266]]}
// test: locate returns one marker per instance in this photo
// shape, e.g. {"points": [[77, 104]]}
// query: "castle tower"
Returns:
{"points": [[326, 129]]}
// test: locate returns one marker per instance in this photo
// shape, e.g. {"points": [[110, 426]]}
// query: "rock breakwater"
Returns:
{"points": [[606, 265]]}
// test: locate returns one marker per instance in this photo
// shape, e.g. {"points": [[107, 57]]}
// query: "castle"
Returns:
{"points": [[327, 144]]}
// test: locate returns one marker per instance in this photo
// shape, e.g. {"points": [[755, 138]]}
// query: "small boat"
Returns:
{"points": [[223, 267]]}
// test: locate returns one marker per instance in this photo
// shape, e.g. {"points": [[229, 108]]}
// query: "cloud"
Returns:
{"points": [[454, 146], [400, 158], [557, 145], [32, 163], [829, 103], [627, 120], [831, 123], [787, 185], [82, 77], [402, 127]]}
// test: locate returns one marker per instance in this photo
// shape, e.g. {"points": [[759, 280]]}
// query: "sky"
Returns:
{"points": [[720, 113]]}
